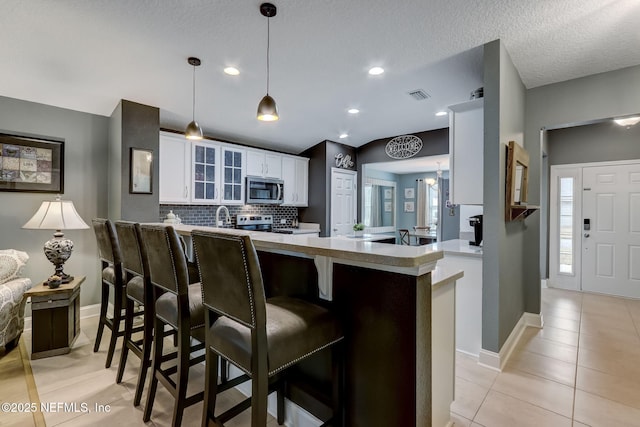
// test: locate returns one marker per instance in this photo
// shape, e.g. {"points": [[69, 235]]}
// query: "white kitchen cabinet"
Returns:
{"points": [[233, 174], [295, 174], [466, 148], [175, 169], [264, 163], [205, 172]]}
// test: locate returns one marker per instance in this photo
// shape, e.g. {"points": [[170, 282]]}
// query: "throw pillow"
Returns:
{"points": [[11, 264]]}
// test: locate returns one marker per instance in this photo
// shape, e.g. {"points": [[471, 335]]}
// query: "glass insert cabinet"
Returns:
{"points": [[217, 174]]}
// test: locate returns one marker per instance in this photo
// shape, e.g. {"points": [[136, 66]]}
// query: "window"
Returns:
{"points": [[566, 219]]}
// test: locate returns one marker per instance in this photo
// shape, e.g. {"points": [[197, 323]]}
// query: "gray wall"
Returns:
{"points": [[322, 159], [504, 263], [584, 100], [133, 125], [598, 142], [85, 183]]}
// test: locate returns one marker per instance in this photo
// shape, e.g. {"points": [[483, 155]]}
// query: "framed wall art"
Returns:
{"points": [[409, 206], [409, 193], [141, 171], [31, 164]]}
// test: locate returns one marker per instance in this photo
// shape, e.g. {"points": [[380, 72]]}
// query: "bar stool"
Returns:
{"points": [[404, 236], [112, 277], [136, 267], [261, 337], [178, 304]]}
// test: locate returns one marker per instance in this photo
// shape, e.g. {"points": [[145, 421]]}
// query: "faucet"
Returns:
{"points": [[220, 208]]}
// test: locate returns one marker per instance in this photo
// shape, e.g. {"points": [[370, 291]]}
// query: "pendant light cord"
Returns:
{"points": [[193, 107], [268, 46]]}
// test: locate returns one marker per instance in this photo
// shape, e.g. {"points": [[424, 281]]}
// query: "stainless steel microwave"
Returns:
{"points": [[264, 191]]}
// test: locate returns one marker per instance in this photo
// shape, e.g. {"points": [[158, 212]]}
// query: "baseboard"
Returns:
{"points": [[85, 312], [497, 361]]}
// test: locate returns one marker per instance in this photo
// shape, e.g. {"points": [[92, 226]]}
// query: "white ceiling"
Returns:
{"points": [[86, 55]]}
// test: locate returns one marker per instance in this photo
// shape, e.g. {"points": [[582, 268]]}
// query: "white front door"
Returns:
{"points": [[611, 244], [343, 201]]}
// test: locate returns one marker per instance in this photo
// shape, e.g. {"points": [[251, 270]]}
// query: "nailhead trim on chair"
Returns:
{"points": [[246, 270], [293, 362]]}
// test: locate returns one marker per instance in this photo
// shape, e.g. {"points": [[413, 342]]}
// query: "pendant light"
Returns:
{"points": [[193, 131], [267, 109]]}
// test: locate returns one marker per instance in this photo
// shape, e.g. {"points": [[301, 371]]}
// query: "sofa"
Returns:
{"points": [[12, 300]]}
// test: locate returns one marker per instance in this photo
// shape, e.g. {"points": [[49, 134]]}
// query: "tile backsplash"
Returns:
{"points": [[206, 214]]}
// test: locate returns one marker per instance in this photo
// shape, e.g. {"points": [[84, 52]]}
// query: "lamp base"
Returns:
{"points": [[58, 250]]}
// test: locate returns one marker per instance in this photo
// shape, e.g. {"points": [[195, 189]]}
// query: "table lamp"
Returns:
{"points": [[57, 215]]}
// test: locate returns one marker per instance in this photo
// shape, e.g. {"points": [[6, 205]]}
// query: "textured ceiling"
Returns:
{"points": [[86, 55]]}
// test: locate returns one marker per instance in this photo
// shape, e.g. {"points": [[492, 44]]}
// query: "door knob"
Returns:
{"points": [[586, 234]]}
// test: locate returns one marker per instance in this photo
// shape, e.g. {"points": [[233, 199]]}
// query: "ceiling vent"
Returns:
{"points": [[419, 94]]}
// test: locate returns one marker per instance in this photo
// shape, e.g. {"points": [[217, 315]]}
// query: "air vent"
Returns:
{"points": [[419, 94]]}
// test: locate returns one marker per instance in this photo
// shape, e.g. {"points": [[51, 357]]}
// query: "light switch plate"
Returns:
{"points": [[283, 221]]}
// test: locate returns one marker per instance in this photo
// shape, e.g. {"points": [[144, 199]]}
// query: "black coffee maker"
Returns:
{"points": [[476, 222]]}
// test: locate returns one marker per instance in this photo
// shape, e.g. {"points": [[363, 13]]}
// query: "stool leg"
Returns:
{"points": [[117, 316], [104, 301], [184, 351], [145, 360], [210, 387], [128, 327], [259, 391], [158, 327], [280, 399]]}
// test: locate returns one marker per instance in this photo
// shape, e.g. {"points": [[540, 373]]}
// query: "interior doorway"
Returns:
{"points": [[343, 201]]}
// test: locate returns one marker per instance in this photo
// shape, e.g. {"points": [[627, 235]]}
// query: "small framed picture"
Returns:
{"points": [[408, 206], [388, 193], [141, 171], [387, 206], [409, 193]]}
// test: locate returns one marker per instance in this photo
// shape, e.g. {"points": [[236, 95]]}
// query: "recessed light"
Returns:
{"points": [[353, 111], [376, 71], [343, 135], [441, 113], [232, 71]]}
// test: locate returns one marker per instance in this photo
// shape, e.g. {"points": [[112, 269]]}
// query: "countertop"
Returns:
{"points": [[444, 275], [412, 260], [457, 247], [367, 237]]}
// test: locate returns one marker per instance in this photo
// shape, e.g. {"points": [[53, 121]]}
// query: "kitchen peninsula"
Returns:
{"points": [[384, 296]]}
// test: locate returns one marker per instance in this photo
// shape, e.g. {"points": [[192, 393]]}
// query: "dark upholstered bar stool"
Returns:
{"points": [[178, 305], [136, 266], [261, 337], [112, 277]]}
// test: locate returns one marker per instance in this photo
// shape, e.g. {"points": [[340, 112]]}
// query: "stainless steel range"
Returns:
{"points": [[251, 222]]}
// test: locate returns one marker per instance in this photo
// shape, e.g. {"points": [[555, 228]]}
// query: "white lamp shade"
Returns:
{"points": [[56, 215]]}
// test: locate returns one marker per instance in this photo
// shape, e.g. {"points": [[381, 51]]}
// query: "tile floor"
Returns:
{"points": [[582, 369]]}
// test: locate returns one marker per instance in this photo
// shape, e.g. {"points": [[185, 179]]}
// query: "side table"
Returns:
{"points": [[55, 315]]}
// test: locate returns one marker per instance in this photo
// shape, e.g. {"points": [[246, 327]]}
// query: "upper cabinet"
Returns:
{"points": [[175, 169], [295, 174], [264, 163], [210, 172], [205, 172], [233, 174], [466, 148]]}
